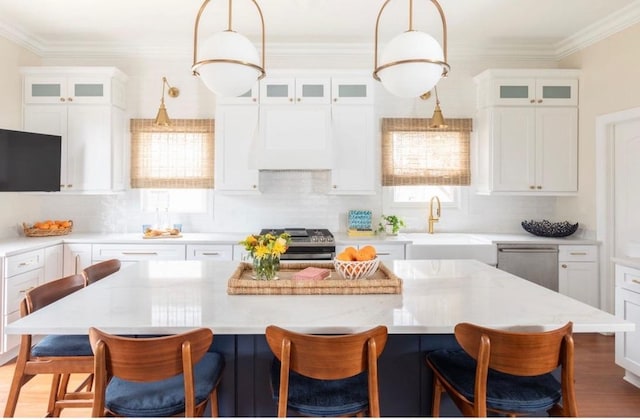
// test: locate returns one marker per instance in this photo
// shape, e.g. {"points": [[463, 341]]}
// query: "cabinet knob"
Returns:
{"points": [[62, 99], [299, 99], [70, 99], [532, 187], [335, 187], [69, 185], [254, 99], [564, 265], [533, 101], [539, 187], [290, 99], [254, 186], [539, 101], [335, 99]]}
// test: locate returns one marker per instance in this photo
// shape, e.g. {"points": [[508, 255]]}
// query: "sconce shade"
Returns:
{"points": [[437, 121], [162, 118], [416, 74], [220, 73]]}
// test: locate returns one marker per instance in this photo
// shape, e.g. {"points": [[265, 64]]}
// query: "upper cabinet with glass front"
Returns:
{"points": [[538, 87], [352, 91], [86, 86], [290, 90]]}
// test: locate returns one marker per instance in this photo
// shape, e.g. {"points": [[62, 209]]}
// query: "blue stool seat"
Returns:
{"points": [[62, 345], [520, 394], [163, 398], [321, 398]]}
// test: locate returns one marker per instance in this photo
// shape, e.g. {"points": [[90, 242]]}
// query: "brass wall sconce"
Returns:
{"points": [[437, 120], [231, 65], [162, 118], [413, 62]]}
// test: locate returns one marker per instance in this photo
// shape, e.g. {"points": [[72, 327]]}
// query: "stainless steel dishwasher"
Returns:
{"points": [[536, 263]]}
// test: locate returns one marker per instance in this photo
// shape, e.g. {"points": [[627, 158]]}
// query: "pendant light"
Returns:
{"points": [[413, 62], [231, 65], [162, 119]]}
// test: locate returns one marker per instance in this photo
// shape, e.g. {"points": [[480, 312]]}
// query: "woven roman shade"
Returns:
{"points": [[415, 154], [178, 156]]}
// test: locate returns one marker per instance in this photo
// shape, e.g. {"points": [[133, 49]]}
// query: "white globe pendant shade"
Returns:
{"points": [[218, 70], [411, 79]]}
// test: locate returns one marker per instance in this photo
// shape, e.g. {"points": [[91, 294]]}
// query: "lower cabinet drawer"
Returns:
{"points": [[131, 252], [210, 252], [24, 262], [18, 285], [628, 278], [577, 253]]}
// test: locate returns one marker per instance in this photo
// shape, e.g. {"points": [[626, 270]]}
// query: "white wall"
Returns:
{"points": [[288, 199], [608, 83], [14, 207]]}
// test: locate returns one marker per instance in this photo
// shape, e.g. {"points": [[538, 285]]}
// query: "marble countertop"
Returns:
{"points": [[633, 262], [161, 297], [11, 246]]}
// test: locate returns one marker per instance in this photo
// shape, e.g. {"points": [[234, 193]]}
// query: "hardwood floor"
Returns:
{"points": [[600, 389]]}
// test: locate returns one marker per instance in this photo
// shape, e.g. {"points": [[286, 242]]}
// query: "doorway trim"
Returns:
{"points": [[605, 200]]}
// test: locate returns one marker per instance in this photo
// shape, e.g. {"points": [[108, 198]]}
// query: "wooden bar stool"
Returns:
{"points": [[100, 270], [326, 375], [157, 376], [60, 355], [506, 372]]}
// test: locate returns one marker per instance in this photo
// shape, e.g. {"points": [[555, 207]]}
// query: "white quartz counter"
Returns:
{"points": [[10, 246], [633, 262], [158, 297]]}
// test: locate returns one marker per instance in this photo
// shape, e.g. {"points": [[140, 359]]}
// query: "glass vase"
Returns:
{"points": [[266, 268]]}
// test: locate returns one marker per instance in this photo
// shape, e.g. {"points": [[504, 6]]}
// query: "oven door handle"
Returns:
{"points": [[327, 256]]}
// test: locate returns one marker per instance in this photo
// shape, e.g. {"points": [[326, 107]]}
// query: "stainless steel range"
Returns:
{"points": [[307, 244]]}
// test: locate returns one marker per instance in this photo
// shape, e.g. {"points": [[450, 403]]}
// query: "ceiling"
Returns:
{"points": [[540, 28]]}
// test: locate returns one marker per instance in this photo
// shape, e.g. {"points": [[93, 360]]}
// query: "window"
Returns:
{"points": [[415, 154], [179, 156]]}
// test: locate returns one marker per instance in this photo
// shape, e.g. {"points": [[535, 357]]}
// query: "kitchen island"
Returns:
{"points": [[163, 297]]}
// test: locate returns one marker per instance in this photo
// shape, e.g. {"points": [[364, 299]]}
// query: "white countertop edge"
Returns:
{"points": [[13, 246], [633, 262]]}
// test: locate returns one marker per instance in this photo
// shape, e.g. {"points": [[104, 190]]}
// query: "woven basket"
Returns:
{"points": [[29, 230], [354, 270]]}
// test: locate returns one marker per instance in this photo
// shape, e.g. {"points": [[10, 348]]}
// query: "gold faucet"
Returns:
{"points": [[432, 219]]}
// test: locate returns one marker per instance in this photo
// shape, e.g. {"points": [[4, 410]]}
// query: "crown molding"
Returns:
{"points": [[600, 30], [610, 25]]}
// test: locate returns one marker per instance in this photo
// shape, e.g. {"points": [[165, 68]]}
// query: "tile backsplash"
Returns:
{"points": [[286, 199]]}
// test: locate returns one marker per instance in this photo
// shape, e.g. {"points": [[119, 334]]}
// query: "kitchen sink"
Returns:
{"points": [[450, 246]]}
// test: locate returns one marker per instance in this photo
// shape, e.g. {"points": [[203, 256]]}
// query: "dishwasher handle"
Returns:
{"points": [[529, 250]]}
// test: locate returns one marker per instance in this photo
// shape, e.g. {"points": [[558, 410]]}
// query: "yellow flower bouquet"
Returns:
{"points": [[265, 251]]}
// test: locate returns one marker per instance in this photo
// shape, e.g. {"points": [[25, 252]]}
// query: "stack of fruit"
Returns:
{"points": [[48, 228], [353, 264]]}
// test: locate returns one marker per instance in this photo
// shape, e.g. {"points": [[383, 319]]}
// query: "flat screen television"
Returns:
{"points": [[29, 161]]}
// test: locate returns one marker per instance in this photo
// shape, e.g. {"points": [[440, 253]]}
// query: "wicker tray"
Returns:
{"points": [[383, 281], [35, 232]]}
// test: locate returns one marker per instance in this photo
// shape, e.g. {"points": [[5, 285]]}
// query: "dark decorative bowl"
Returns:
{"points": [[549, 229]]}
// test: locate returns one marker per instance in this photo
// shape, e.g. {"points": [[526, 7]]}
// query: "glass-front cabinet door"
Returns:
{"points": [[551, 92], [313, 91], [351, 91], [277, 90], [67, 90]]}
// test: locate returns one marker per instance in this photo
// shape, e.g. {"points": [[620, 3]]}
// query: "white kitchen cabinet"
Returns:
{"points": [[295, 90], [53, 263], [354, 146], [92, 128], [237, 133], [527, 132], [250, 97], [525, 150], [22, 272], [538, 87], [627, 297], [578, 273], [77, 257], [130, 253], [67, 87], [210, 252], [295, 137], [352, 91]]}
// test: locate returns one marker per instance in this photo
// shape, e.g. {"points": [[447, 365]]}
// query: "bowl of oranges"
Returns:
{"points": [[354, 264], [48, 228]]}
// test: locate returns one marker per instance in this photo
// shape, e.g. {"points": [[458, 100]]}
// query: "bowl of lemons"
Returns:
{"points": [[354, 264]]}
